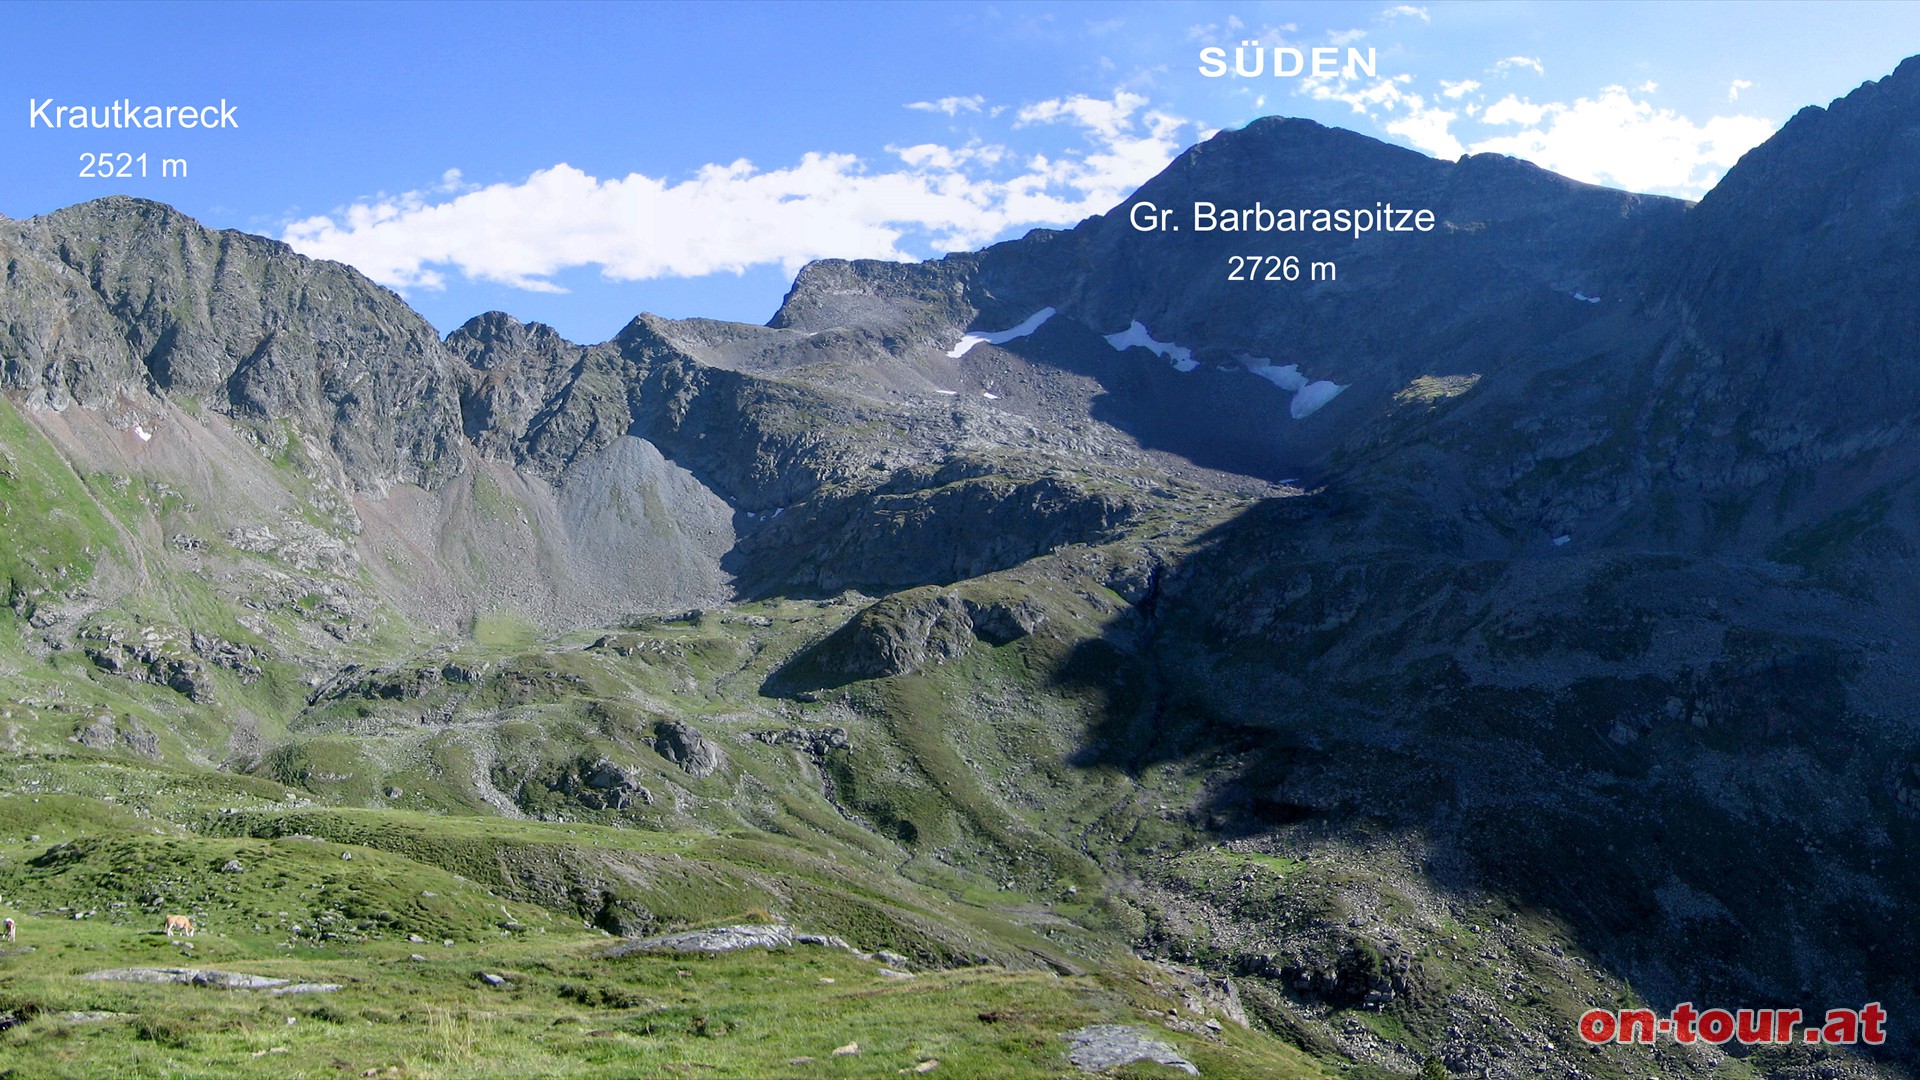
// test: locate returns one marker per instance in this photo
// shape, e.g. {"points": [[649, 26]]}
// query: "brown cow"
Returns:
{"points": [[182, 923]]}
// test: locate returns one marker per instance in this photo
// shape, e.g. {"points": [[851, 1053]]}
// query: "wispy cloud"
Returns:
{"points": [[1209, 31], [932, 198], [1406, 11], [1734, 88], [1514, 63], [952, 106]]}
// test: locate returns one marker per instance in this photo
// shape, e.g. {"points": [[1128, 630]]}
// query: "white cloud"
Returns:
{"points": [[1513, 110], [1400, 111], [1513, 63], [1610, 138], [1103, 116], [946, 158], [1734, 88], [1381, 95], [1427, 130], [952, 106], [451, 181], [1339, 38], [1647, 87], [730, 217], [1613, 139], [1406, 11]]}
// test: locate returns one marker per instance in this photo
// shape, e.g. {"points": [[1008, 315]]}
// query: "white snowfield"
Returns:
{"points": [[1136, 334], [1286, 377], [1001, 337], [1584, 296], [1308, 397]]}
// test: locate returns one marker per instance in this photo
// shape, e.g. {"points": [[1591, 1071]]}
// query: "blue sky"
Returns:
{"points": [[578, 164]]}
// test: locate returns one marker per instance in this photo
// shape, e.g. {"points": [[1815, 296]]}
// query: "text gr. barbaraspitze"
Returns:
{"points": [[1353, 221]]}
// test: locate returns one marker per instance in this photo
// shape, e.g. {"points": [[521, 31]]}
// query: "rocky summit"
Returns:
{"points": [[1365, 672]]}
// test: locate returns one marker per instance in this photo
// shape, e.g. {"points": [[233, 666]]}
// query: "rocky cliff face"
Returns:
{"points": [[118, 297]]}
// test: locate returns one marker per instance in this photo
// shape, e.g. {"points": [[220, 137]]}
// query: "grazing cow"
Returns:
{"points": [[182, 923], [7, 929]]}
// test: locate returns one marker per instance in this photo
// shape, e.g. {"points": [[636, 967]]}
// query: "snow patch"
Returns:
{"points": [[1001, 337], [143, 433], [949, 393], [990, 395], [1309, 398], [1561, 541], [1285, 377], [1136, 334], [1588, 299]]}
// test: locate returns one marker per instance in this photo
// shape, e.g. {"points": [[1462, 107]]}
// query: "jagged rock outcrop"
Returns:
{"points": [[601, 784], [902, 634], [685, 746]]}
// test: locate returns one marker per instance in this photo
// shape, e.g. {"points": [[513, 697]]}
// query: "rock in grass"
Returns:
{"points": [[847, 1050], [1099, 1047], [718, 939], [686, 747], [232, 980]]}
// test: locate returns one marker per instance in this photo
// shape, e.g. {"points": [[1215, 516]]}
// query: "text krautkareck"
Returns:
{"points": [[125, 113]]}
